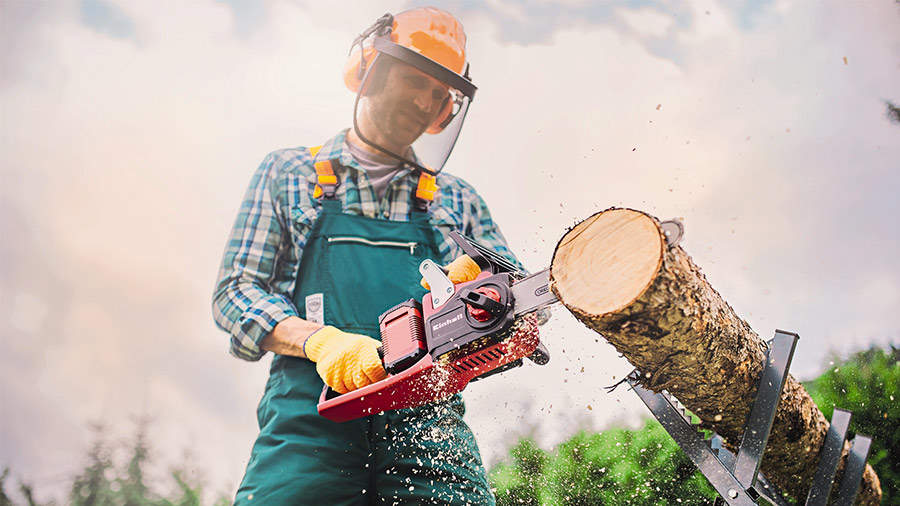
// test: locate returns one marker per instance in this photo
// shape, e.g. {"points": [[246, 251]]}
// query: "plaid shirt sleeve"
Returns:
{"points": [[256, 270]]}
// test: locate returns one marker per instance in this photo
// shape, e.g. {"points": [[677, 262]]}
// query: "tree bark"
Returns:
{"points": [[615, 273]]}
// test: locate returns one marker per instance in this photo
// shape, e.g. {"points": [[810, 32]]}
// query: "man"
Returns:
{"points": [[329, 237]]}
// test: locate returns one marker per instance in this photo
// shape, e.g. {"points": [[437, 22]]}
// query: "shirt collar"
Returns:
{"points": [[336, 149]]}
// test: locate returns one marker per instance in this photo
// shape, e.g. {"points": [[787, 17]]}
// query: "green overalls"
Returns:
{"points": [[424, 455]]}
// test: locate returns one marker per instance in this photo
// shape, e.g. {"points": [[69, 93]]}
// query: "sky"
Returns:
{"points": [[129, 131]]}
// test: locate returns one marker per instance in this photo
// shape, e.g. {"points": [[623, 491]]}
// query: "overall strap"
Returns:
{"points": [[325, 178], [425, 190], [327, 182]]}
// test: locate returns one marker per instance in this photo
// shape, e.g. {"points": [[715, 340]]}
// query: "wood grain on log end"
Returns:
{"points": [[613, 261]]}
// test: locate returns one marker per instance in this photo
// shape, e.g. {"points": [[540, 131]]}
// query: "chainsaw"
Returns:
{"points": [[457, 333]]}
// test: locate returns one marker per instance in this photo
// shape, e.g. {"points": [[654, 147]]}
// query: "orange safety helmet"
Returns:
{"points": [[428, 31]]}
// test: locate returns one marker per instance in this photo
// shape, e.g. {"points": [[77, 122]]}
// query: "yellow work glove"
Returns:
{"points": [[345, 361], [459, 271]]}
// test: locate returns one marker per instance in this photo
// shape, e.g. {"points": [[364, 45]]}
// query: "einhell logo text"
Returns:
{"points": [[446, 322]]}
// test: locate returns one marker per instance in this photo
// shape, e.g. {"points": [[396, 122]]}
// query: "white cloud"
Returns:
{"points": [[646, 21], [128, 158]]}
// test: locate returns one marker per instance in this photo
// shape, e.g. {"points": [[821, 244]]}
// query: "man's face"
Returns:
{"points": [[402, 110]]}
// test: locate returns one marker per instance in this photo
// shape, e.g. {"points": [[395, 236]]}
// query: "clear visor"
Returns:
{"points": [[409, 114]]}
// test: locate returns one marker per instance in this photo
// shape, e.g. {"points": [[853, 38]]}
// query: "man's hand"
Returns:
{"points": [[459, 271], [345, 361]]}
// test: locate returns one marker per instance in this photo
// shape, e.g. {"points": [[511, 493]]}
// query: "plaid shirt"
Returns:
{"points": [[262, 257]]}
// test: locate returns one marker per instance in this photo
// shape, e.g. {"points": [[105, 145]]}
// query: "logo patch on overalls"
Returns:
{"points": [[315, 308]]}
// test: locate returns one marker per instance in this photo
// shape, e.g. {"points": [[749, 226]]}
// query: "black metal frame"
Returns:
{"points": [[736, 477], [427, 65]]}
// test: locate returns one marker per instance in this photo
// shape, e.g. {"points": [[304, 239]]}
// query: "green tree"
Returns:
{"points": [[522, 481], [25, 489], [616, 466], [868, 384], [104, 482], [4, 499], [93, 485], [132, 490]]}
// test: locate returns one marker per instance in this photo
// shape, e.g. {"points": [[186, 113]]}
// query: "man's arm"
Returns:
{"points": [[289, 336], [260, 268], [257, 270]]}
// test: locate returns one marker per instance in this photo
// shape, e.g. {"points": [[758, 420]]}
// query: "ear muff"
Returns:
{"points": [[362, 56], [354, 71]]}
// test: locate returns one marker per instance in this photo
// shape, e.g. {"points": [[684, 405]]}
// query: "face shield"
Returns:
{"points": [[410, 107]]}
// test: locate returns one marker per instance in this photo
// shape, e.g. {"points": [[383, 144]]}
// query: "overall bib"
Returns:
{"points": [[425, 455]]}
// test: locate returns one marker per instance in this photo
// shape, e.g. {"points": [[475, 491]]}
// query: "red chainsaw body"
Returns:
{"points": [[427, 379]]}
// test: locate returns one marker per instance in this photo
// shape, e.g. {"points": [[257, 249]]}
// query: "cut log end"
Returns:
{"points": [[607, 261]]}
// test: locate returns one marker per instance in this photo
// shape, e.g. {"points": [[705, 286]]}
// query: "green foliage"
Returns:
{"points": [[645, 466], [103, 482], [92, 486], [4, 499], [617, 466], [868, 384]]}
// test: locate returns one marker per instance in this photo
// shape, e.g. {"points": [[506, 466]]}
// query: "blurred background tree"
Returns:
{"points": [[616, 466], [107, 481]]}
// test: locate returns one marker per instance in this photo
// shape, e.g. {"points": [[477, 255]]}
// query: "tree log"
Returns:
{"points": [[615, 273]]}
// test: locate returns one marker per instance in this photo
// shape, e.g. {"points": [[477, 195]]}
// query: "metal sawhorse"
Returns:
{"points": [[737, 478]]}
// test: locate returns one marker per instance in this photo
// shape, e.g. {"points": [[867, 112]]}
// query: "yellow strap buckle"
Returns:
{"points": [[427, 187], [325, 178]]}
